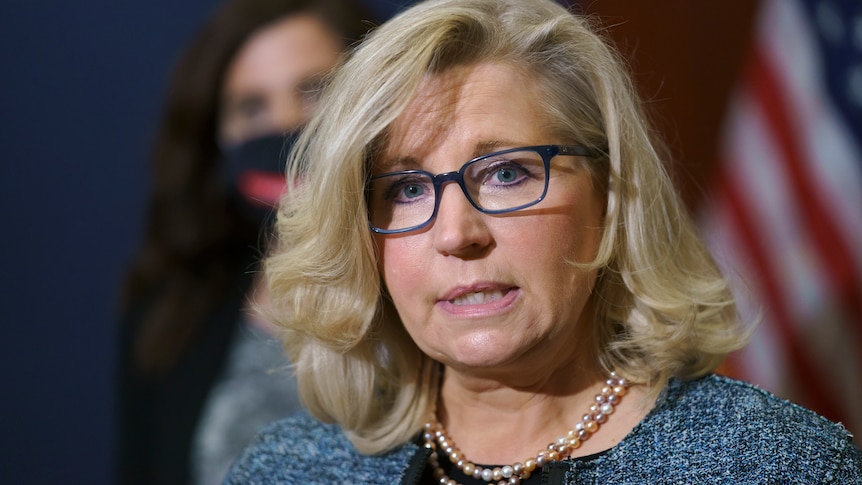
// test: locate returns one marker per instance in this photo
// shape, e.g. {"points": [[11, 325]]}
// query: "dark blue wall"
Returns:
{"points": [[81, 91]]}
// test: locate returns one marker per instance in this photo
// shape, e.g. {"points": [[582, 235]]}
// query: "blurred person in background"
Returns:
{"points": [[199, 373]]}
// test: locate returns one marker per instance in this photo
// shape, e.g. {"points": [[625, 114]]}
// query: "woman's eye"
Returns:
{"points": [[412, 191], [406, 190], [506, 175], [248, 109]]}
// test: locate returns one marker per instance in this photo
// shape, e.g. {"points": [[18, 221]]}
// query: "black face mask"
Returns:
{"points": [[253, 173]]}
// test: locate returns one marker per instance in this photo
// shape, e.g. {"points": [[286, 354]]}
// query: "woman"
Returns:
{"points": [[199, 374], [486, 277]]}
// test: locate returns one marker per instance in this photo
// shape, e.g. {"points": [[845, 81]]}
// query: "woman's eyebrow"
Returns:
{"points": [[407, 162], [485, 147], [397, 163]]}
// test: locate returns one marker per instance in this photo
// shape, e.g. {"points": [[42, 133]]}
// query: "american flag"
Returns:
{"points": [[785, 216]]}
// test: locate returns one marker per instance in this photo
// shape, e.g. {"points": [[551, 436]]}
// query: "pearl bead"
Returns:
{"points": [[454, 456], [518, 468], [553, 456], [468, 468], [497, 473], [541, 459], [486, 474], [507, 471], [438, 474], [514, 480], [607, 408], [529, 465], [591, 426], [620, 390]]}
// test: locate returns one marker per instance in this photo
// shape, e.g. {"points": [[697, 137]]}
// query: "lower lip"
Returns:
{"points": [[495, 307]]}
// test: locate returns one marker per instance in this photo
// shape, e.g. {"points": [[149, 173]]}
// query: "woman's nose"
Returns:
{"points": [[288, 113], [459, 228]]}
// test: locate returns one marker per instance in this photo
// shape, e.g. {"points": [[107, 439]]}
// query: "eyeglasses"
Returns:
{"points": [[497, 183]]}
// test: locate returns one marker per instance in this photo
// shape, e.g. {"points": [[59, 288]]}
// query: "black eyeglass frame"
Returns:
{"points": [[547, 152]]}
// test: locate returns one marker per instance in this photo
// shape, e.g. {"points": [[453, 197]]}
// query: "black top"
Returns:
{"points": [[158, 415], [456, 474]]}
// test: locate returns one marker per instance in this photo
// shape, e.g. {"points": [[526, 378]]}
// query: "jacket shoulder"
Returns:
{"points": [[716, 401], [301, 449], [719, 427]]}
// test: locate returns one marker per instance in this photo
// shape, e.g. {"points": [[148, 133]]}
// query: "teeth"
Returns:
{"points": [[477, 298]]}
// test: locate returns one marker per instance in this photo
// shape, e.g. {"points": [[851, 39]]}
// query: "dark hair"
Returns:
{"points": [[195, 240]]}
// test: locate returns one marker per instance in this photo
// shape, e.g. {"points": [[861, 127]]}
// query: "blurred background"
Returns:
{"points": [[760, 103]]}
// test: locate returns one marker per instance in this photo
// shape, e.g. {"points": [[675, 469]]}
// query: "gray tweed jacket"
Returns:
{"points": [[711, 430]]}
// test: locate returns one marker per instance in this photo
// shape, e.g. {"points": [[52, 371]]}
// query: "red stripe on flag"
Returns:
{"points": [[836, 256], [817, 395]]}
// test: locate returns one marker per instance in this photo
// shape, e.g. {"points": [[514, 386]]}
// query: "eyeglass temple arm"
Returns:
{"points": [[578, 150]]}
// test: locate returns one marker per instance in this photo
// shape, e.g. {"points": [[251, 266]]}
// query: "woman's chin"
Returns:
{"points": [[483, 353]]}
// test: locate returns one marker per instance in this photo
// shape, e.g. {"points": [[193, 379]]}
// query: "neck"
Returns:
{"points": [[518, 418], [576, 441]]}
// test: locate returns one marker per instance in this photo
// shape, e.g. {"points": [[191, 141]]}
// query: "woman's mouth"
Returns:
{"points": [[478, 301], [478, 298]]}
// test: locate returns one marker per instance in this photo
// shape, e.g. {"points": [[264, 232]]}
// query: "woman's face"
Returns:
{"points": [[492, 292], [269, 86]]}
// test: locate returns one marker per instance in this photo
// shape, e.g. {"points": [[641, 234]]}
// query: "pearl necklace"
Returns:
{"points": [[436, 439]]}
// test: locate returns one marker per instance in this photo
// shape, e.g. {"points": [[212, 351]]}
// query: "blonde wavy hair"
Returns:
{"points": [[663, 308]]}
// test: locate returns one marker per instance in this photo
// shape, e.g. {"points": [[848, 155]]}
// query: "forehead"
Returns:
{"points": [[467, 106], [292, 47]]}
